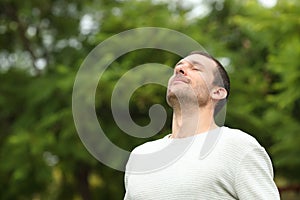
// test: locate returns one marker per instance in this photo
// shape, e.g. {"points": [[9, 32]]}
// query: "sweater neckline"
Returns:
{"points": [[198, 135]]}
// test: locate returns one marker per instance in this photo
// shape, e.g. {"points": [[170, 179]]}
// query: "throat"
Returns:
{"points": [[190, 122]]}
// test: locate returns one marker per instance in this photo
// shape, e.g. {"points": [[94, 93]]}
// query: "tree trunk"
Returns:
{"points": [[82, 175]]}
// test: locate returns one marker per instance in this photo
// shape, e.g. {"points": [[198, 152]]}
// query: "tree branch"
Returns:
{"points": [[13, 14]]}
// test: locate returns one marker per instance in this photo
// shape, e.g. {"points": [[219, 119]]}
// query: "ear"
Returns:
{"points": [[218, 93]]}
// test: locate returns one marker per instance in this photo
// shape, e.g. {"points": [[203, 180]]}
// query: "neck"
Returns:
{"points": [[192, 120]]}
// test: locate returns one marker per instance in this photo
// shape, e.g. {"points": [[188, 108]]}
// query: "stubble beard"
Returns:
{"points": [[187, 97]]}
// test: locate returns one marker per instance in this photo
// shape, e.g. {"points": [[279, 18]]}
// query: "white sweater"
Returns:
{"points": [[234, 166]]}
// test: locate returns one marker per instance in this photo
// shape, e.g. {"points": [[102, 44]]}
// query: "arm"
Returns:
{"points": [[125, 183], [254, 177]]}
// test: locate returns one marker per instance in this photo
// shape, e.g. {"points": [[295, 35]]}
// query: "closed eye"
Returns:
{"points": [[196, 69]]}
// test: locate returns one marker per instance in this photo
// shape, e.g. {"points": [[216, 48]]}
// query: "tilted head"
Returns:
{"points": [[199, 78]]}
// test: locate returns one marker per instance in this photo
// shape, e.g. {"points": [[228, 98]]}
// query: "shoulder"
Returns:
{"points": [[151, 146], [238, 137], [144, 158], [237, 141]]}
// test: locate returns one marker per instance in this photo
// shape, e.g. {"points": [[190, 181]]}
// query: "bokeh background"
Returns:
{"points": [[44, 42]]}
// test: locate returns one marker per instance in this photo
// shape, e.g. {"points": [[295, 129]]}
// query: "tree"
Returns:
{"points": [[43, 43]]}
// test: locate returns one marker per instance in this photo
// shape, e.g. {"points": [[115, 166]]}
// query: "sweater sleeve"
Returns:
{"points": [[254, 177]]}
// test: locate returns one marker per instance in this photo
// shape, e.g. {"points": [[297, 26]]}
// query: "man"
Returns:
{"points": [[200, 160]]}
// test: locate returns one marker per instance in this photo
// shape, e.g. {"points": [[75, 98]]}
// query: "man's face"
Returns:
{"points": [[192, 80]]}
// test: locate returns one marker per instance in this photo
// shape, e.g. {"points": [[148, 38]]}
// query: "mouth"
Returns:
{"points": [[180, 80]]}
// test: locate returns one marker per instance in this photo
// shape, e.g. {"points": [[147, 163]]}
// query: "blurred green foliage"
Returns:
{"points": [[43, 44]]}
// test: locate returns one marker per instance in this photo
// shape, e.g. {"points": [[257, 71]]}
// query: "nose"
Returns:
{"points": [[181, 68]]}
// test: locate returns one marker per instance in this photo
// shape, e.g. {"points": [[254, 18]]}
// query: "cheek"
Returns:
{"points": [[206, 81], [201, 86], [200, 81]]}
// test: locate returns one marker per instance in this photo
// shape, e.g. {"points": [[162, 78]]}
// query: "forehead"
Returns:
{"points": [[197, 59]]}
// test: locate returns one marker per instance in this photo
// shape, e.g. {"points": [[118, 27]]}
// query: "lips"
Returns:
{"points": [[180, 79]]}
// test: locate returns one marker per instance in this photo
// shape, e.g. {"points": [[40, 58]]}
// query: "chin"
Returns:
{"points": [[171, 99], [176, 98]]}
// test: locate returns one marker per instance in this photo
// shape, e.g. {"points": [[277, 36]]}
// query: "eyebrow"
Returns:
{"points": [[179, 62], [196, 63], [193, 62]]}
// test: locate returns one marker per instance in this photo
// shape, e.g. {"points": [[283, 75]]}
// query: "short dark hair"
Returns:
{"points": [[221, 79]]}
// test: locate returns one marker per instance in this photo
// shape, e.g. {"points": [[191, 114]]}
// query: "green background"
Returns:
{"points": [[43, 43]]}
